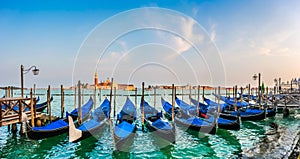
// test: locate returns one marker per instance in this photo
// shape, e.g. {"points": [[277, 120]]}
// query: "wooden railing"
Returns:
{"points": [[12, 109]]}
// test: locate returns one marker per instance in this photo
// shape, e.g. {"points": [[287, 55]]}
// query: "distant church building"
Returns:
{"points": [[103, 84]]}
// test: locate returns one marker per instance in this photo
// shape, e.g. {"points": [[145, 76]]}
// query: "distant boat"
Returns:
{"points": [[125, 127], [228, 124], [187, 121], [156, 125], [59, 126], [93, 126]]}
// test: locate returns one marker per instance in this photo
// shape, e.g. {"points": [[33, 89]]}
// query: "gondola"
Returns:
{"points": [[187, 121], [59, 126], [93, 126], [232, 102], [125, 127], [227, 124], [244, 114], [157, 125]]}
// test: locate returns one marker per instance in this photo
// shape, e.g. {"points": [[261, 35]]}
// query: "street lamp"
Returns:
{"points": [[259, 88], [35, 71]]}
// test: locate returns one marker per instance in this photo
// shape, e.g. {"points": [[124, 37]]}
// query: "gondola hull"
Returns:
{"points": [[168, 135], [93, 131], [210, 129], [41, 134], [124, 143], [249, 117]]}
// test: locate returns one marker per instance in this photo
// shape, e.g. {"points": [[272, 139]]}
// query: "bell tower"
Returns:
{"points": [[96, 78]]}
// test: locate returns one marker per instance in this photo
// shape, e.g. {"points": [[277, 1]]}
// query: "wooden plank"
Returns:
{"points": [[13, 99], [15, 119]]}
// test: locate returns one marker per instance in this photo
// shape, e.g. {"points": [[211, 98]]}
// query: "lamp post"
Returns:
{"points": [[35, 71], [259, 87]]}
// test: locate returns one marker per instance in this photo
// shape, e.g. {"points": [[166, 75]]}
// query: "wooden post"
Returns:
{"points": [[219, 109], [75, 94], [100, 95], [190, 93], [249, 93], [233, 90], [95, 99], [79, 103], [135, 97], [225, 92], [154, 96], [31, 108], [34, 88], [235, 100], [62, 101], [182, 94], [82, 96], [20, 110], [143, 108], [8, 92], [241, 96], [49, 104], [12, 92], [215, 93], [173, 102], [115, 92], [5, 89], [203, 93], [110, 96], [198, 104]]}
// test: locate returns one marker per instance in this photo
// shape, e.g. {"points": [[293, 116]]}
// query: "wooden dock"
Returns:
{"points": [[13, 110]]}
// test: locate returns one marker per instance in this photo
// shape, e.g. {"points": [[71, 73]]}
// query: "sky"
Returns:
{"points": [[211, 42]]}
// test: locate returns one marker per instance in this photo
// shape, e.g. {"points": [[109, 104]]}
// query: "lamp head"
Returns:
{"points": [[35, 71], [254, 76]]}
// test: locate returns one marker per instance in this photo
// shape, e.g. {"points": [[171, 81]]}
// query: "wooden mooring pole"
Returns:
{"points": [[62, 101], [115, 96], [173, 102], [100, 95], [34, 88], [190, 95], [154, 100], [49, 111], [79, 103], [198, 104], [75, 96], [32, 108], [95, 99], [110, 95], [143, 106], [135, 97]]}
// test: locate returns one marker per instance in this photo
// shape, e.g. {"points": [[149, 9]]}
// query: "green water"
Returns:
{"points": [[189, 144]]}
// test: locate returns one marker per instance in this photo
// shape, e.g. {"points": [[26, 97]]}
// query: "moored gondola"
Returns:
{"points": [[125, 127], [187, 121], [91, 127], [59, 126], [157, 125], [223, 123]]}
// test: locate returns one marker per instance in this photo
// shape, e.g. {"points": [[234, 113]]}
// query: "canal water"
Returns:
{"points": [[189, 144]]}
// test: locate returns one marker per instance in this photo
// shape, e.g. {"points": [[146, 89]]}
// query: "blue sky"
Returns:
{"points": [[235, 39]]}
